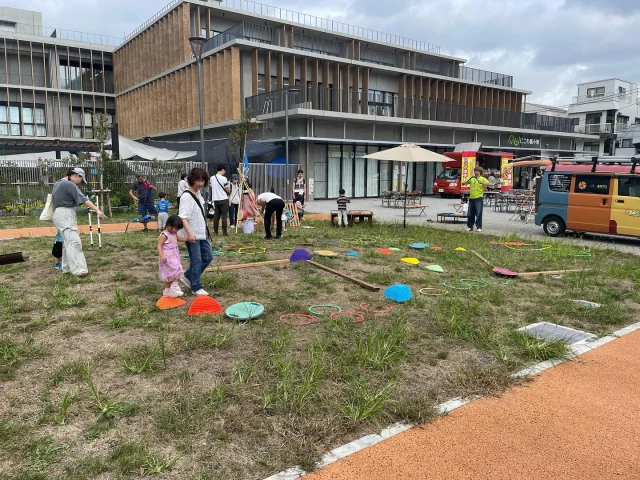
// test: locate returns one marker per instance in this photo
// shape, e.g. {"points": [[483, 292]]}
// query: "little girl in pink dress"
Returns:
{"points": [[169, 257]]}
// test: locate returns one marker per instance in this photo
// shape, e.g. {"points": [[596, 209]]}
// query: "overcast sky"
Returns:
{"points": [[549, 46]]}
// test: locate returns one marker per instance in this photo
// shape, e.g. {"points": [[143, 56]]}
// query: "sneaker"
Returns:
{"points": [[201, 292], [58, 266], [185, 282], [145, 229], [469, 229], [225, 234], [278, 237], [176, 288], [478, 230], [268, 238], [169, 292]]}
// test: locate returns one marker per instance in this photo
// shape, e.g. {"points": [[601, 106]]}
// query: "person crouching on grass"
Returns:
{"points": [[271, 203], [169, 257]]}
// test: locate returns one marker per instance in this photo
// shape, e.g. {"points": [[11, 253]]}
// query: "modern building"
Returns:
{"points": [[51, 83], [606, 108], [546, 110], [349, 91]]}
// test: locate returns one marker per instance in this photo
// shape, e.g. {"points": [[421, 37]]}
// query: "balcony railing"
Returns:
{"points": [[608, 97], [65, 84], [40, 31], [593, 128], [48, 130], [326, 46], [342, 101]]}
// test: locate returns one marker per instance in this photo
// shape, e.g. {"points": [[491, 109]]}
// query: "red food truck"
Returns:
{"points": [[460, 168]]}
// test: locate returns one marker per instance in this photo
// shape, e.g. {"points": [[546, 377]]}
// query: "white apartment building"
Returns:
{"points": [[607, 108]]}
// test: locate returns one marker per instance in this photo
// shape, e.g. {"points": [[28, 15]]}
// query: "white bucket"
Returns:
{"points": [[248, 225]]}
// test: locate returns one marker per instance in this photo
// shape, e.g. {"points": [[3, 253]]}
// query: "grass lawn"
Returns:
{"points": [[97, 383], [30, 221]]}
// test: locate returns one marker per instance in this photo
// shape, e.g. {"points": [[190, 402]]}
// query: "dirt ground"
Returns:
{"points": [[100, 384]]}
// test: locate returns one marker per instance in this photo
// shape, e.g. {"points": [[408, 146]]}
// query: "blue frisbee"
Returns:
{"points": [[419, 246]]}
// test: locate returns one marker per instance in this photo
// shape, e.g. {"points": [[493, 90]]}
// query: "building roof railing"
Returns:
{"points": [[331, 25], [62, 34], [303, 19]]}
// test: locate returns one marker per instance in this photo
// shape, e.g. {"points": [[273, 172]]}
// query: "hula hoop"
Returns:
{"points": [[358, 316], [468, 287], [365, 307], [472, 282], [433, 292], [310, 320], [338, 309], [216, 252], [258, 250]]}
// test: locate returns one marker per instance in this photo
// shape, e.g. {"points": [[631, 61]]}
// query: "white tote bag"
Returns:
{"points": [[47, 212]]}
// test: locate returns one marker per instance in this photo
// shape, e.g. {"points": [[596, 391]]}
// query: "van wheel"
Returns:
{"points": [[554, 226]]}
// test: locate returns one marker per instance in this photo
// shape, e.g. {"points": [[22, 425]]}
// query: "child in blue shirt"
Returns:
{"points": [[163, 211]]}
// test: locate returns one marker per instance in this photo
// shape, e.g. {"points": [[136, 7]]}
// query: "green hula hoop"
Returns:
{"points": [[337, 308], [466, 286]]}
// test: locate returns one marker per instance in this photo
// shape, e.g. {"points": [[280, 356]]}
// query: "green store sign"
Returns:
{"points": [[520, 141]]}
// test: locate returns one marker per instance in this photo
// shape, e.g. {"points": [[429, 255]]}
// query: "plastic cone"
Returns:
{"points": [[299, 255], [204, 305], [383, 251], [166, 303], [435, 268]]}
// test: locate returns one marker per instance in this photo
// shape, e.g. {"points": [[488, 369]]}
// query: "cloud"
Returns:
{"points": [[547, 45]]}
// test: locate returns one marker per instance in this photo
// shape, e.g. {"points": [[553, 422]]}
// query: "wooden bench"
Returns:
{"points": [[361, 215], [441, 217], [417, 208]]}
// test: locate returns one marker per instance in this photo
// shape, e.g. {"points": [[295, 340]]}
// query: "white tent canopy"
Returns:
{"points": [[130, 149]]}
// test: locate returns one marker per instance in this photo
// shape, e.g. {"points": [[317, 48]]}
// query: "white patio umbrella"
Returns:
{"points": [[408, 153]]}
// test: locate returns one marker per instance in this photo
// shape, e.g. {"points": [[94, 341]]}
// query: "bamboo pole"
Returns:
{"points": [[247, 265]]}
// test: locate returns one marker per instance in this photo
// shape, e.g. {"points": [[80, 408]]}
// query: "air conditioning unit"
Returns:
{"points": [[373, 111]]}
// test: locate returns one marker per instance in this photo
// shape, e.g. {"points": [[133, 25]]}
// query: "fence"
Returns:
{"points": [[24, 184], [27, 182]]}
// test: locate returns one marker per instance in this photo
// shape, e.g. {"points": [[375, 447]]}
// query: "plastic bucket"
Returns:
{"points": [[248, 225]]}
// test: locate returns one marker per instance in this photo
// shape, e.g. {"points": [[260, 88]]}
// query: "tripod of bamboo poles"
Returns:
{"points": [[244, 186]]}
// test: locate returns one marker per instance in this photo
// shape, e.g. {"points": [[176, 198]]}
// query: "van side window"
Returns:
{"points": [[597, 184], [629, 186], [559, 182]]}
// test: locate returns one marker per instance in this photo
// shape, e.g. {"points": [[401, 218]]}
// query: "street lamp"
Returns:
{"points": [[196, 48], [286, 131]]}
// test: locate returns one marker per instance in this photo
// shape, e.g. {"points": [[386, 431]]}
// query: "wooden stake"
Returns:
{"points": [[366, 285], [481, 257], [554, 272], [248, 265]]}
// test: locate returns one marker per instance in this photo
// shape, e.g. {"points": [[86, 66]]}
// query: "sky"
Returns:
{"points": [[549, 46]]}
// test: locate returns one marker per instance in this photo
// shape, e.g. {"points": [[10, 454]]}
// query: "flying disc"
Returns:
{"points": [[351, 254], [244, 311], [419, 246], [410, 260], [383, 251], [435, 268], [325, 253]]}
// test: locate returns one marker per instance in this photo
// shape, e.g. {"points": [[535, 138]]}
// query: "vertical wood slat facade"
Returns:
{"points": [[162, 46], [144, 111]]}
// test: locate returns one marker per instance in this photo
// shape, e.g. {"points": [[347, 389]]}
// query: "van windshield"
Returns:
{"points": [[450, 174]]}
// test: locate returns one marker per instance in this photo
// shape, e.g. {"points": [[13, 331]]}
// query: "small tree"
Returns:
{"points": [[238, 135], [101, 127]]}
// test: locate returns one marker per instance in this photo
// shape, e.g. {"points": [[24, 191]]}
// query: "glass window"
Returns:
{"points": [[597, 184], [360, 178], [4, 129], [595, 92], [629, 186], [27, 115], [88, 119], [15, 129], [450, 174], [372, 175], [347, 169], [333, 178], [40, 115], [41, 130], [3, 114], [626, 143], [559, 182], [29, 131], [14, 112]]}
